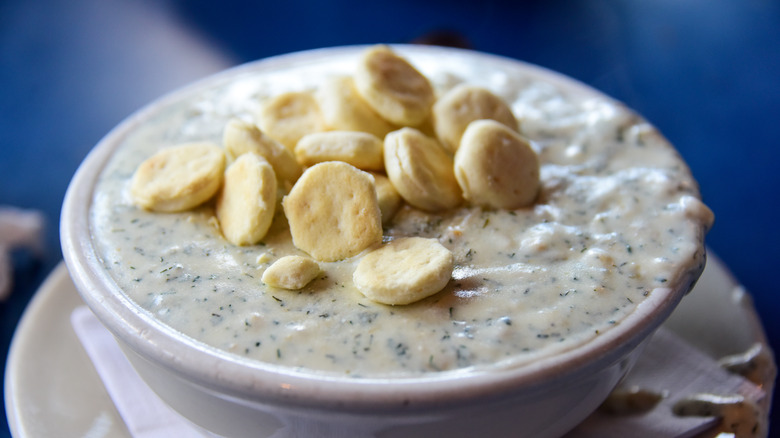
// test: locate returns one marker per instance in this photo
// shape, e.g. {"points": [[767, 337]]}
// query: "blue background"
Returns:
{"points": [[706, 72]]}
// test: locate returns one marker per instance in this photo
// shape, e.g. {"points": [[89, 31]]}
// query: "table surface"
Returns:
{"points": [[705, 72]]}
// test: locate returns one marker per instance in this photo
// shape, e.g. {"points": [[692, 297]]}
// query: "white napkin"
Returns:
{"points": [[668, 365], [673, 367], [144, 413]]}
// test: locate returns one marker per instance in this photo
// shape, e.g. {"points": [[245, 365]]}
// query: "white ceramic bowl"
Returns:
{"points": [[233, 397]]}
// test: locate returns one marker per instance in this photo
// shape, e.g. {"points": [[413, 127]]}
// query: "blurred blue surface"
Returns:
{"points": [[706, 72]]}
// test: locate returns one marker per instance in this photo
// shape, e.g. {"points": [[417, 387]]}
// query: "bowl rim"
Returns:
{"points": [[257, 382]]}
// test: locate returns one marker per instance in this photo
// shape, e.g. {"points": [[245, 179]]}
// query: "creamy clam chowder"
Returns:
{"points": [[617, 215]]}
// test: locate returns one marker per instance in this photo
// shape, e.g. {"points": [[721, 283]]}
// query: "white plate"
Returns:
{"points": [[51, 387], [52, 390]]}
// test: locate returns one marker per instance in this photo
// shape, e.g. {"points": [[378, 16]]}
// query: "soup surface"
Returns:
{"points": [[617, 216]]}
